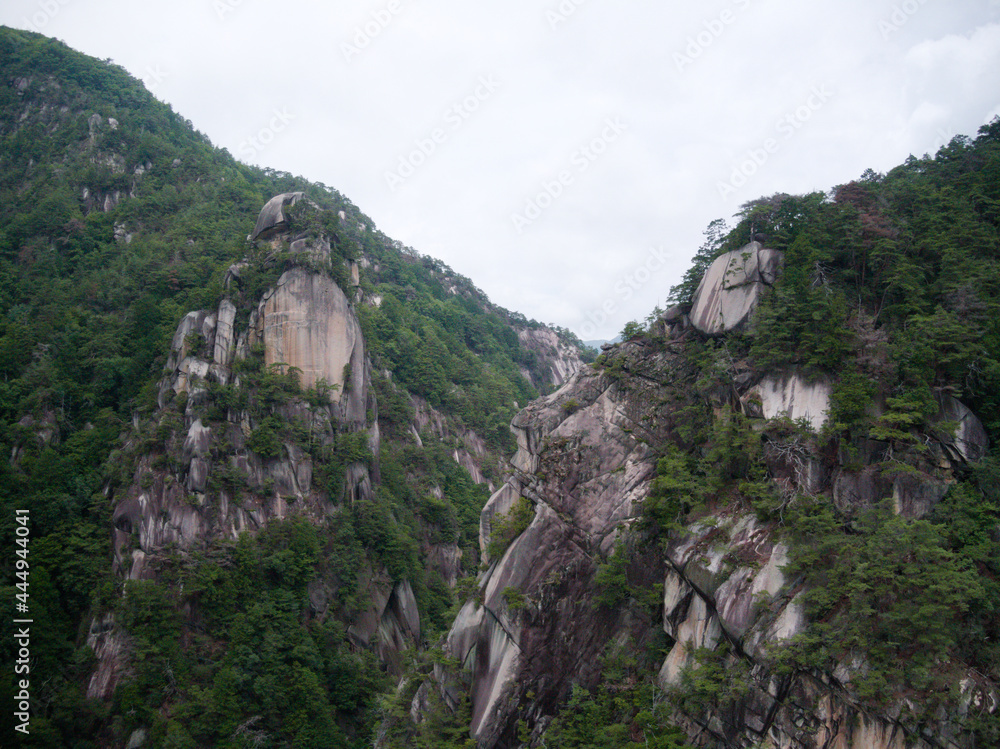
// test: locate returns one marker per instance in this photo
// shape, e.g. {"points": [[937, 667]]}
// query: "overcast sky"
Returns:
{"points": [[566, 156]]}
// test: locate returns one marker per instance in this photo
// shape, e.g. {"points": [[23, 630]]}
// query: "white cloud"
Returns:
{"points": [[689, 125]]}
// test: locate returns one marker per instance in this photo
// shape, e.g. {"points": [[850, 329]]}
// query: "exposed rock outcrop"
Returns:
{"points": [[583, 471], [306, 322], [794, 398], [214, 486], [960, 430], [391, 621], [272, 217], [557, 359], [731, 287]]}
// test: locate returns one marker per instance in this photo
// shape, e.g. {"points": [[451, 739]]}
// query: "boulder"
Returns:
{"points": [[916, 495], [960, 430], [854, 491], [272, 217], [732, 286]]}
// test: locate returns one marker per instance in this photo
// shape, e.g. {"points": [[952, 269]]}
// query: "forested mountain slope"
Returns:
{"points": [[771, 518], [125, 267]]}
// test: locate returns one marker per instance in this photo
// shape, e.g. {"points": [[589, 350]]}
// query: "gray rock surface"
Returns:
{"points": [[272, 217], [961, 430], [559, 360], [307, 322], [731, 287], [791, 396], [585, 472]]}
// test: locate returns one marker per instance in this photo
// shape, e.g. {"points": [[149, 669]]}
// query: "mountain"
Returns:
{"points": [[772, 517], [253, 434]]}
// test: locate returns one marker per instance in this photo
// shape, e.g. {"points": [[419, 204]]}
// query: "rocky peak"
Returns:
{"points": [[272, 219], [225, 468]]}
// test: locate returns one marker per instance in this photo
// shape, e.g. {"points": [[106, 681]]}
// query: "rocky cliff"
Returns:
{"points": [[227, 464], [591, 460], [558, 360]]}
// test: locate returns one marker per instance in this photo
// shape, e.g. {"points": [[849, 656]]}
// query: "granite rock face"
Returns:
{"points": [[961, 430], [731, 288], [792, 397], [579, 504], [272, 217], [306, 322], [559, 361]]}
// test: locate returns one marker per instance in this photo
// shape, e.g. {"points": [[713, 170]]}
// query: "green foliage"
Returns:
{"points": [[380, 533], [715, 680], [731, 456], [281, 674], [673, 493], [851, 402], [508, 526], [625, 710], [514, 598], [715, 234], [891, 590], [265, 439], [902, 415], [803, 322], [631, 330], [571, 406], [440, 727]]}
